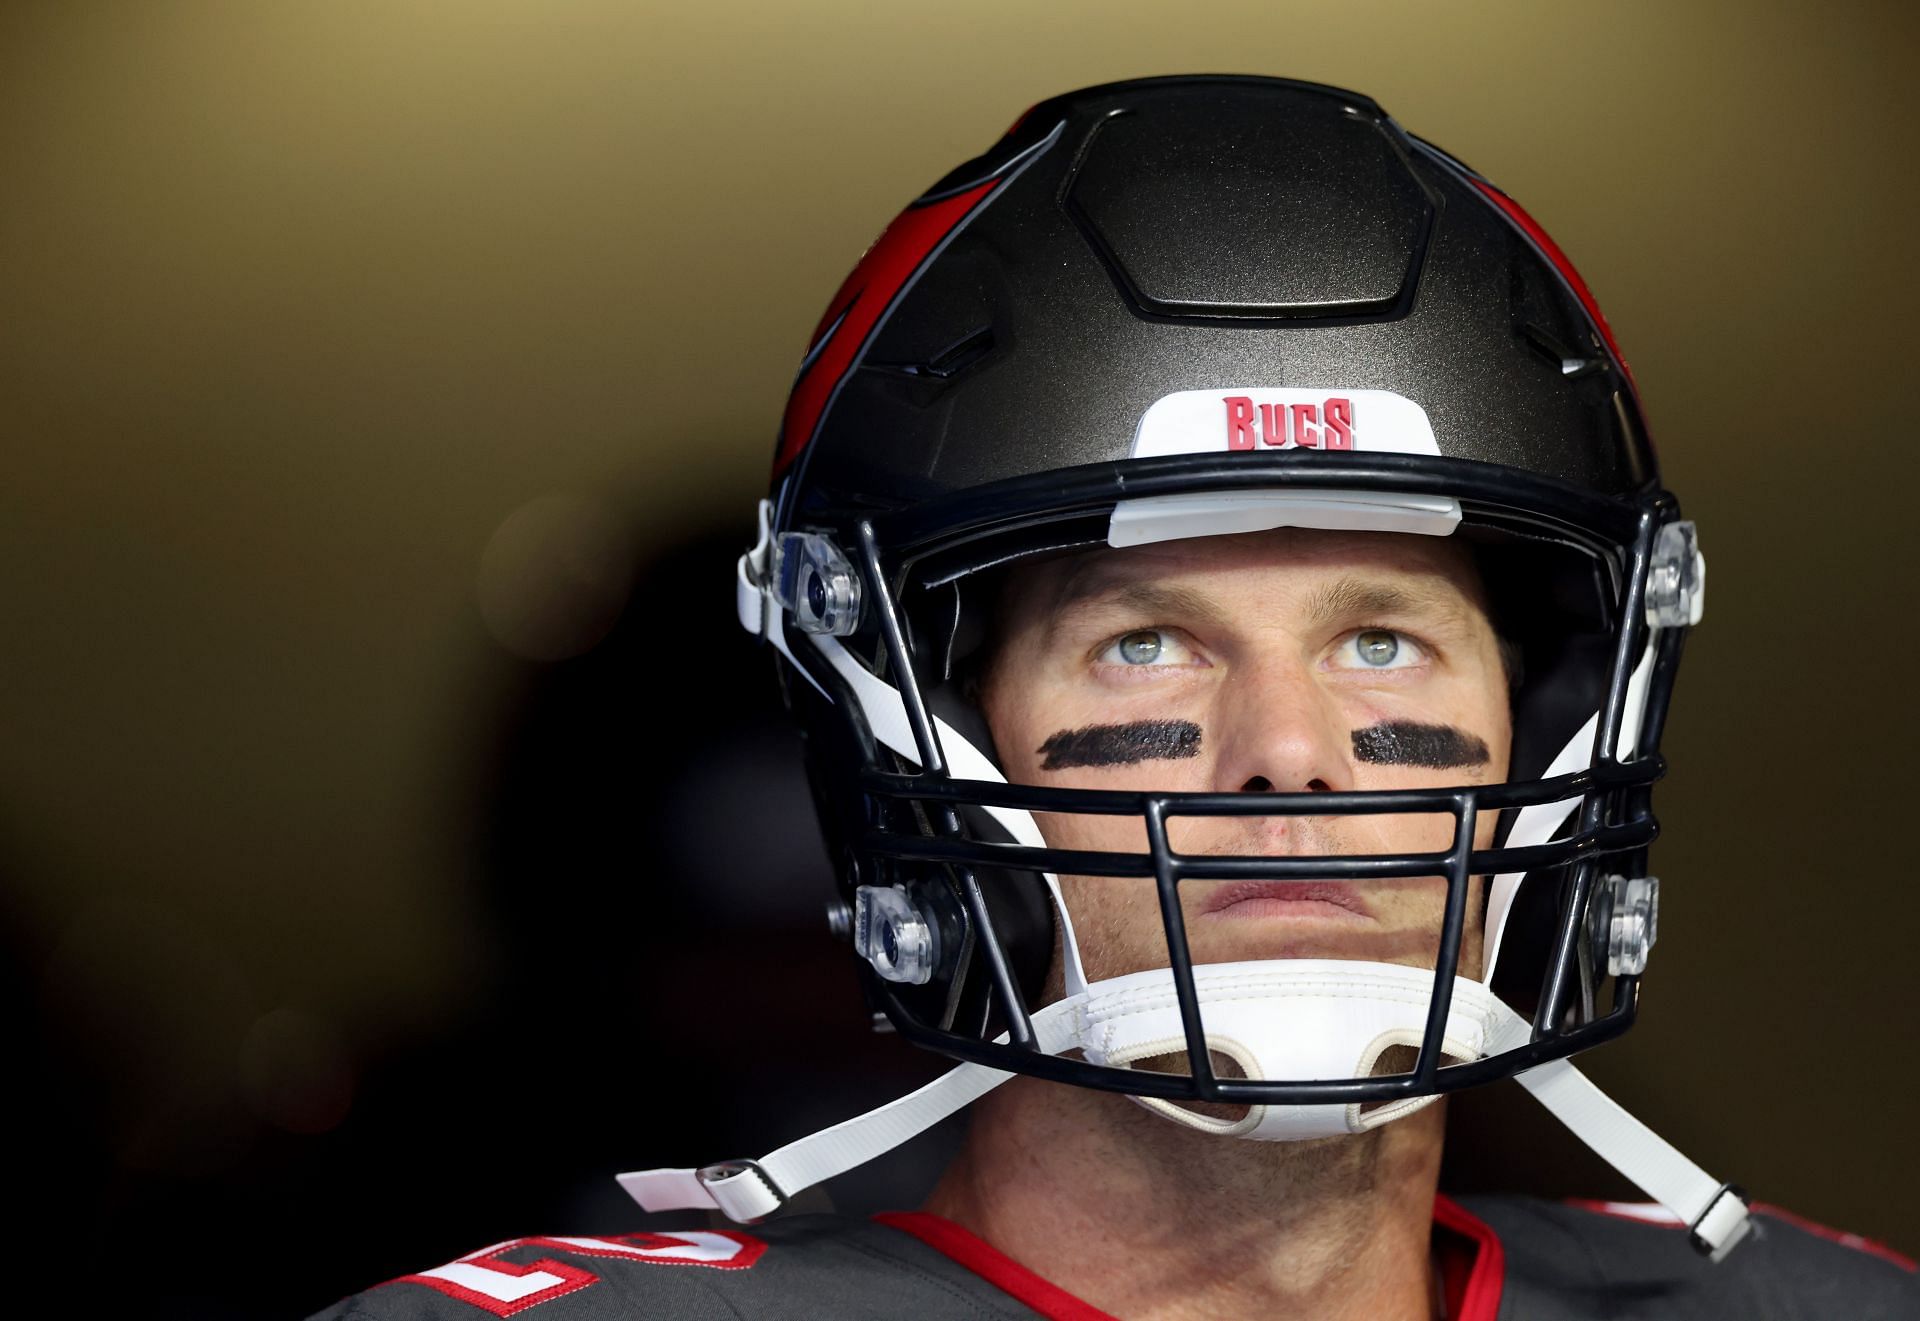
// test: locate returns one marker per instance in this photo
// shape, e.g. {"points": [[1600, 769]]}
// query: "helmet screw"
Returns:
{"points": [[1632, 923], [1676, 578]]}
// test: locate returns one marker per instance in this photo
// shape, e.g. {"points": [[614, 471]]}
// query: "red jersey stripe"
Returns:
{"points": [[1472, 1264]]}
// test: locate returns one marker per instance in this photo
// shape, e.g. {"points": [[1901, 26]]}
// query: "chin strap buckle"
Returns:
{"points": [[1722, 1224], [745, 1193]]}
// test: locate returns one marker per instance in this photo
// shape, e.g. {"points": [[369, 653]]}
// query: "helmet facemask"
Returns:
{"points": [[952, 857]]}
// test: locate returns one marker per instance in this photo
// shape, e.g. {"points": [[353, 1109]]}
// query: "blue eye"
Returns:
{"points": [[1379, 649], [1147, 648]]}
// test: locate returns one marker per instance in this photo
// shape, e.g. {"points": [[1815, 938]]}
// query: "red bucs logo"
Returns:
{"points": [[1325, 425], [1322, 418]]}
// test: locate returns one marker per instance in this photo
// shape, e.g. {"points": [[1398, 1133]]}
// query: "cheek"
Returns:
{"points": [[1117, 923], [1499, 736], [1014, 741], [1015, 714]]}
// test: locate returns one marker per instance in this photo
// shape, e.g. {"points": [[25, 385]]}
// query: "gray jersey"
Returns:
{"points": [[803, 1266], [1506, 1259]]}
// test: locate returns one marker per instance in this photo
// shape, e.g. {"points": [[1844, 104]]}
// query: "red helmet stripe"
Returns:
{"points": [[857, 309], [1541, 240]]}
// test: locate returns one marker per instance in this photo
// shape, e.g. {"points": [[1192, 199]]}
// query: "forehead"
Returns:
{"points": [[1270, 568]]}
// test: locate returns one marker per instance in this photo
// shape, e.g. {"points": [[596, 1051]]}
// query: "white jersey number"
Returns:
{"points": [[505, 1287]]}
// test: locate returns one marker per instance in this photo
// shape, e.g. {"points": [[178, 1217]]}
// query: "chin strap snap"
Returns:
{"points": [[746, 1191]]}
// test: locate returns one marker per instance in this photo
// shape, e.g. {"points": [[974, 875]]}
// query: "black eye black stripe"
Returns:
{"points": [[1406, 743], [1120, 745]]}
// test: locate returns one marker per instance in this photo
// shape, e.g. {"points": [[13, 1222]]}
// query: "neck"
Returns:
{"points": [[1150, 1221]]}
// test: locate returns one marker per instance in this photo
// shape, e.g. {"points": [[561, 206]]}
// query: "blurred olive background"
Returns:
{"points": [[398, 838]]}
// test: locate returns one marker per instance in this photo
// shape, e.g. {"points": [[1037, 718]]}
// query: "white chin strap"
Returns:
{"points": [[1273, 1018], [1293, 1018]]}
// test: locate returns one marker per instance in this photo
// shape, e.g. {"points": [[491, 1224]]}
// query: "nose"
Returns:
{"points": [[1277, 729]]}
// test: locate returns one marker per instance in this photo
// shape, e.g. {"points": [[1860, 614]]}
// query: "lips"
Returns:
{"points": [[1301, 899]]}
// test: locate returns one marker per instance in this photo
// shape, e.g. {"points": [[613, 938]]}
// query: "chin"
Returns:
{"points": [[1285, 938]]}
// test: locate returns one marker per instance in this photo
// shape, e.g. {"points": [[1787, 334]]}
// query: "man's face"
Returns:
{"points": [[1284, 661]]}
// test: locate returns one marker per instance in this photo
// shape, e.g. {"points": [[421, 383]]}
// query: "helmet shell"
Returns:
{"points": [[1128, 241]]}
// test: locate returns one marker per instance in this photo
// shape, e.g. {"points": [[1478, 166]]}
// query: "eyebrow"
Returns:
{"points": [[1161, 600], [1360, 598]]}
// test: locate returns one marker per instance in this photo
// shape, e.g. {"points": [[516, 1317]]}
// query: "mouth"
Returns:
{"points": [[1321, 900]]}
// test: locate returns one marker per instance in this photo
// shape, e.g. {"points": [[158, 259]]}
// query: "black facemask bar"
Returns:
{"points": [[914, 821]]}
